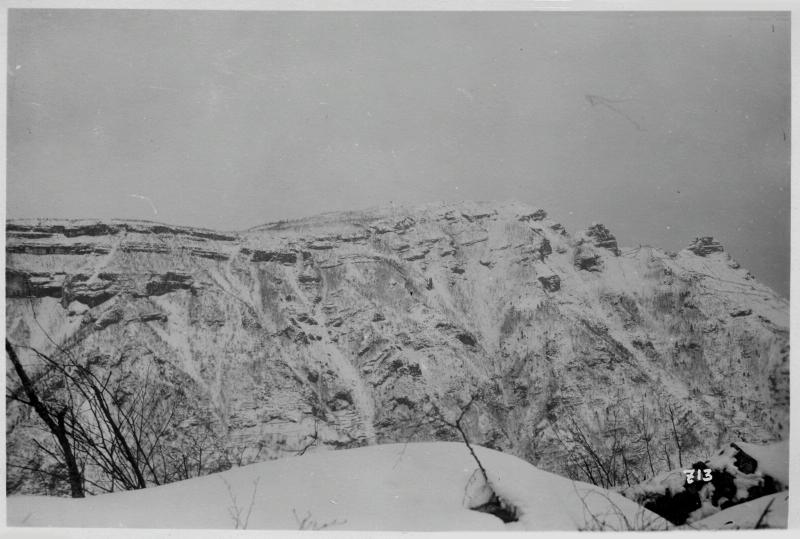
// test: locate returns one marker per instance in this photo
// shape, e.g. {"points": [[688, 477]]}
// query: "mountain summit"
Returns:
{"points": [[351, 329]]}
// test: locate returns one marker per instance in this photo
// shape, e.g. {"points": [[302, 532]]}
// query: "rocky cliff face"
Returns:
{"points": [[348, 329]]}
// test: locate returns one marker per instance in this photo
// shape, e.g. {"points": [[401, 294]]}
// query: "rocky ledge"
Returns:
{"points": [[705, 246]]}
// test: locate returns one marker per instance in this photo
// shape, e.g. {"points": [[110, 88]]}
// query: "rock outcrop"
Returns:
{"points": [[705, 246], [551, 283], [601, 237]]}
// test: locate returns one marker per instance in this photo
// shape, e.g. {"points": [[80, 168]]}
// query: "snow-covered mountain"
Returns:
{"points": [[352, 329]]}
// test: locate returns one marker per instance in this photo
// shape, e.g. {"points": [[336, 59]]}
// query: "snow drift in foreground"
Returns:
{"points": [[421, 486], [766, 512]]}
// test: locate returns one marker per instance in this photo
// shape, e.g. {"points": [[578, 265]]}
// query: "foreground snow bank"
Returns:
{"points": [[425, 486], [767, 512]]}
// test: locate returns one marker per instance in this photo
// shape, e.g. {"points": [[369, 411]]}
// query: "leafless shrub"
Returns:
{"points": [[235, 511], [308, 522], [615, 519], [112, 431], [439, 416]]}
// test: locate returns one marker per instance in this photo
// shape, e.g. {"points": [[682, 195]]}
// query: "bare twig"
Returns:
{"points": [[460, 428], [234, 510], [764, 513], [308, 523], [643, 521], [422, 422], [314, 439]]}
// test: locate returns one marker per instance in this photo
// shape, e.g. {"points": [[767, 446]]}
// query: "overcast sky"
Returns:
{"points": [[663, 126]]}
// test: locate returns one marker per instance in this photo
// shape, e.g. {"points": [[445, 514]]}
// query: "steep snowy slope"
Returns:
{"points": [[349, 329], [389, 487]]}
